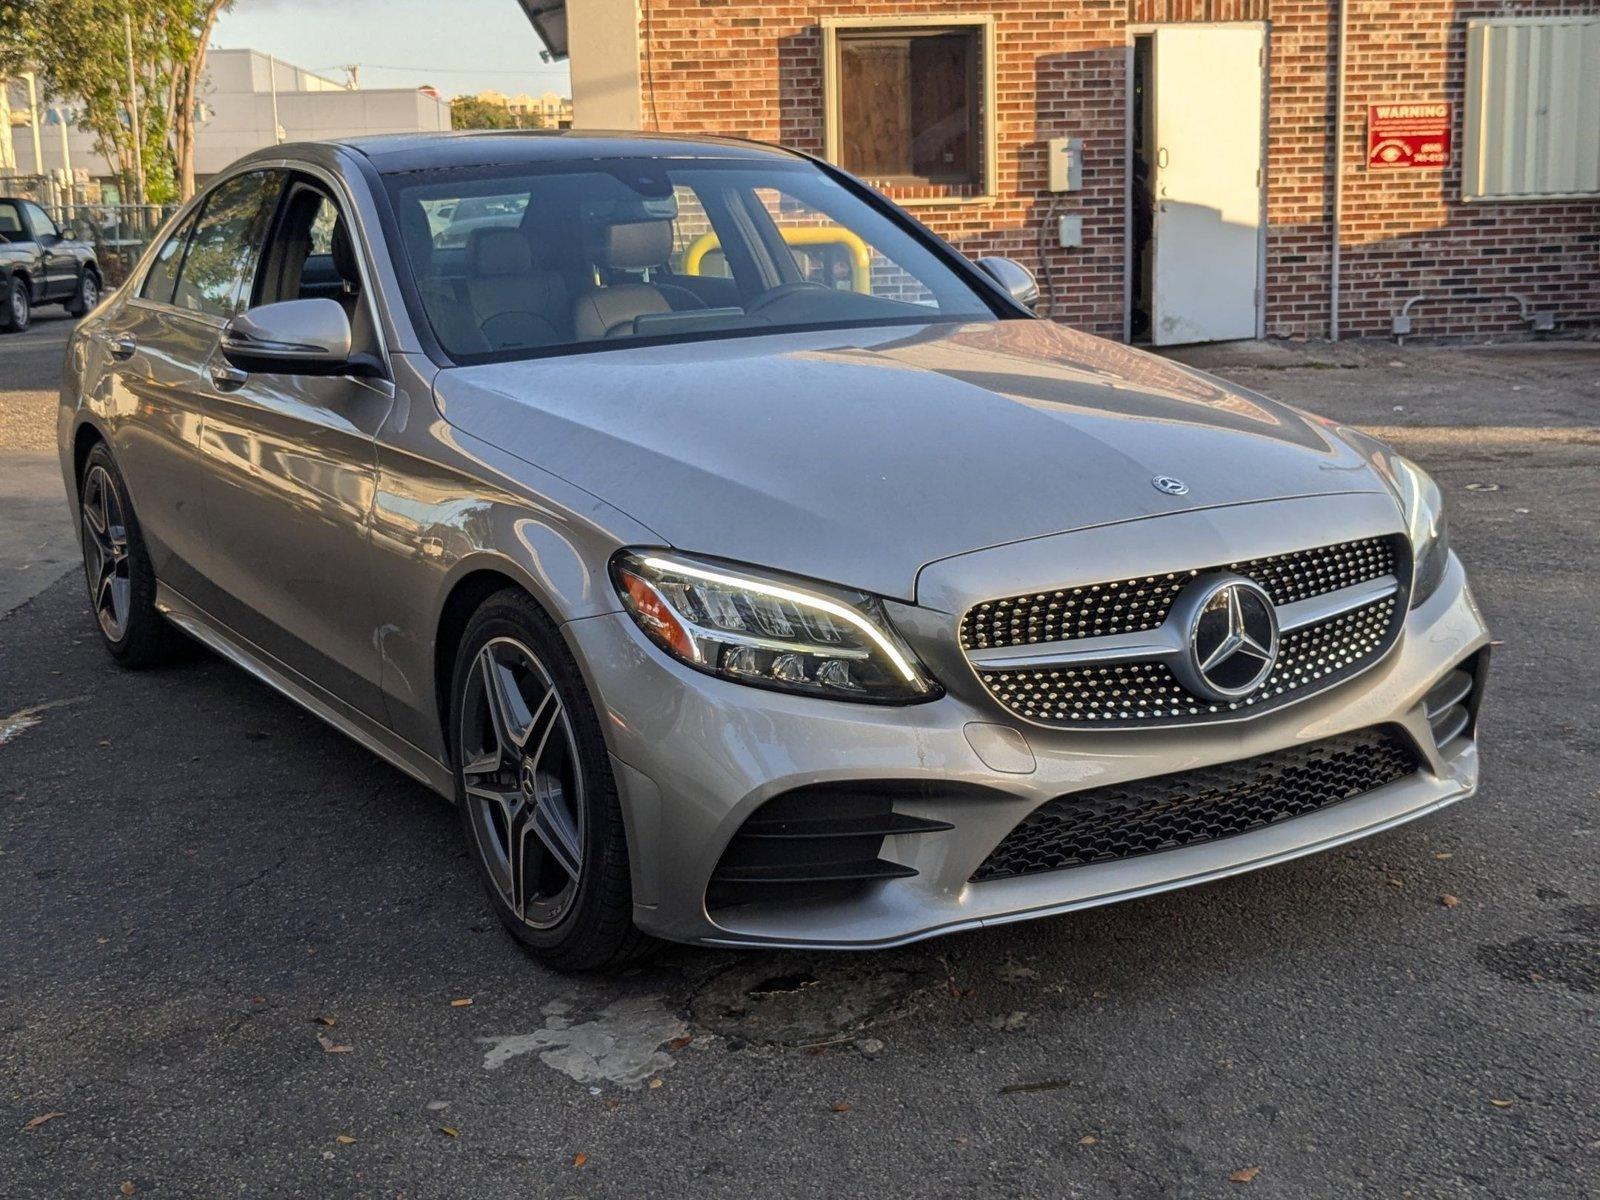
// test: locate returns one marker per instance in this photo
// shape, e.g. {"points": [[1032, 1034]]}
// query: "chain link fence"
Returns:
{"points": [[118, 232]]}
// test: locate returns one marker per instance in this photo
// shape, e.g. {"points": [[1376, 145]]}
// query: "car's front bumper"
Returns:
{"points": [[695, 756]]}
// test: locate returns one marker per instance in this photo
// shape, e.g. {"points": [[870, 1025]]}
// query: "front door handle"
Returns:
{"points": [[226, 377], [123, 347]]}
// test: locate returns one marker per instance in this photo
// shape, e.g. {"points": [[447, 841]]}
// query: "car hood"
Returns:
{"points": [[860, 456]]}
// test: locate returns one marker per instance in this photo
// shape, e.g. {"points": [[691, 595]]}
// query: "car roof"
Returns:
{"points": [[397, 152]]}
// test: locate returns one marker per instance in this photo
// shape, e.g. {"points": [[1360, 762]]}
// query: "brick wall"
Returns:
{"points": [[754, 69]]}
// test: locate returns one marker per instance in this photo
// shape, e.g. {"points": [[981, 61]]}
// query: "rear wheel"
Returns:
{"points": [[116, 566], [87, 295], [16, 306], [538, 803]]}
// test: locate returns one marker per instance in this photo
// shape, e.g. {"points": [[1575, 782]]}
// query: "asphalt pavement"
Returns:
{"points": [[241, 957]]}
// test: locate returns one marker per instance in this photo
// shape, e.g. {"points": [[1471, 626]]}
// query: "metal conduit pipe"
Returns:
{"points": [[1542, 322], [1338, 174]]}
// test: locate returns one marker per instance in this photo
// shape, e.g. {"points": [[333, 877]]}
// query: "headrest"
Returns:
{"points": [[419, 237], [636, 245], [498, 250], [344, 254]]}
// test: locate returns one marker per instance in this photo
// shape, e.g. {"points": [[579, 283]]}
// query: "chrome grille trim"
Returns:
{"points": [[1167, 641], [1339, 610], [1136, 605]]}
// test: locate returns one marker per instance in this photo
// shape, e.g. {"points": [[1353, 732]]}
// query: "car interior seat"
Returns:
{"points": [[633, 247]]}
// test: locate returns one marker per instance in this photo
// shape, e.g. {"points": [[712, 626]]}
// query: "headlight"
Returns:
{"points": [[811, 638], [1425, 525]]}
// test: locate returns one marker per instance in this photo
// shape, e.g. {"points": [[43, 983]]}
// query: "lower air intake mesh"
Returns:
{"points": [[1169, 811]]}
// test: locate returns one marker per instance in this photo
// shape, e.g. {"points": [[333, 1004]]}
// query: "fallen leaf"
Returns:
{"points": [[1100, 995], [579, 1159], [41, 1119], [1244, 1175], [449, 1131], [126, 1187], [961, 1140], [1535, 977], [344, 1139], [1441, 855], [1088, 1139], [1449, 901], [331, 1046], [655, 1083], [461, 1002], [678, 1043], [613, 1103], [842, 1106], [327, 1020], [1399, 883], [1501, 1103]]}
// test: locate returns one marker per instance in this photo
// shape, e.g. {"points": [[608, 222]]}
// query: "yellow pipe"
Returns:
{"points": [[798, 235]]}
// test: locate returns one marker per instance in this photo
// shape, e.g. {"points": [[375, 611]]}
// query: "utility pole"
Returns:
{"points": [[133, 111], [33, 122], [272, 74]]}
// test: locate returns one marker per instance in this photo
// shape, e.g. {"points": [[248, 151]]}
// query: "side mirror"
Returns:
{"points": [[1015, 278], [293, 337]]}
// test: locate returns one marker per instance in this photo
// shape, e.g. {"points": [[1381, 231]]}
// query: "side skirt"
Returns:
{"points": [[357, 726]]}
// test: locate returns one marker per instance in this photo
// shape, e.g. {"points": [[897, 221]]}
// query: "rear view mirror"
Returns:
{"points": [[1015, 278], [293, 337]]}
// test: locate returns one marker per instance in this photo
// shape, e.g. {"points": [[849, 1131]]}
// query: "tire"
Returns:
{"points": [[117, 568], [531, 770], [16, 306], [87, 294]]}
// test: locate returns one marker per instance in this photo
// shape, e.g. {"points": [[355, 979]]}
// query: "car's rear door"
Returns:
{"points": [[149, 354], [292, 470]]}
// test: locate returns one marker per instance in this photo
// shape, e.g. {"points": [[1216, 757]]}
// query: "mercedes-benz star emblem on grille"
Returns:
{"points": [[1232, 636], [1169, 485]]}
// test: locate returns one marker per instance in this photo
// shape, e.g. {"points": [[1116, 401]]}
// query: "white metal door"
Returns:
{"points": [[1208, 82]]}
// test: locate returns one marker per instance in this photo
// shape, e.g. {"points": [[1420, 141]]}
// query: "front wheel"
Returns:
{"points": [[538, 803], [16, 306]]}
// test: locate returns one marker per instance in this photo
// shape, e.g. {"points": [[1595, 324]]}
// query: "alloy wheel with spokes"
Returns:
{"points": [[106, 563], [524, 783]]}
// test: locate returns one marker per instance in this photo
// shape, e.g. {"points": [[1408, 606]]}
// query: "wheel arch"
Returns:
{"points": [[84, 439], [474, 581]]}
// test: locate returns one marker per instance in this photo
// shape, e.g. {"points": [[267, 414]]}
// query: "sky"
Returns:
{"points": [[458, 46]]}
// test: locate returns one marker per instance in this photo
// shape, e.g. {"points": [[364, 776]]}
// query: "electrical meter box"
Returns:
{"points": [[1065, 158]]}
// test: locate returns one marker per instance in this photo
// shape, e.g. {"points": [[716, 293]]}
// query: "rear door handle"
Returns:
{"points": [[123, 347]]}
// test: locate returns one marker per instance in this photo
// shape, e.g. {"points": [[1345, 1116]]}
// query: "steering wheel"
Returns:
{"points": [[773, 295]]}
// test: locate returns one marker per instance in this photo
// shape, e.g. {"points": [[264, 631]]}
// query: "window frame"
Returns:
{"points": [[985, 127], [24, 235], [246, 283], [33, 211], [1478, 138]]}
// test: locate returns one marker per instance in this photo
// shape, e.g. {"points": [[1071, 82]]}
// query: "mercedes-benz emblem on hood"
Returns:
{"points": [[1232, 631], [1170, 485]]}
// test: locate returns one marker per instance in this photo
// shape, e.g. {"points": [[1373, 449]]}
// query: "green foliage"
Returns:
{"points": [[79, 48], [469, 112]]}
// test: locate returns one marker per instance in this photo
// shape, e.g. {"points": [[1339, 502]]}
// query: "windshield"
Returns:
{"points": [[514, 262]]}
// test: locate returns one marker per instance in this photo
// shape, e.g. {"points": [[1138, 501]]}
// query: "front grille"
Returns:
{"points": [[1146, 692], [1149, 815], [1138, 605]]}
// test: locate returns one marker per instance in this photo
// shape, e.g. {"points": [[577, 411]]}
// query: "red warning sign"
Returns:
{"points": [[1403, 136]]}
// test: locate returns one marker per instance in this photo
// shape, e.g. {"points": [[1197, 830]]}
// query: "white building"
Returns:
{"points": [[238, 100]]}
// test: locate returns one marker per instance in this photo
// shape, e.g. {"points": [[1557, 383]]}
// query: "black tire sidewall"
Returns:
{"points": [[13, 322], [589, 934], [145, 639]]}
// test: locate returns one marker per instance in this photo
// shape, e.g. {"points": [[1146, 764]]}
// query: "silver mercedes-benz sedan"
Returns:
{"points": [[749, 566]]}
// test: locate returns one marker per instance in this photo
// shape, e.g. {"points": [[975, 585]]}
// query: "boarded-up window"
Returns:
{"points": [[909, 104], [1533, 108]]}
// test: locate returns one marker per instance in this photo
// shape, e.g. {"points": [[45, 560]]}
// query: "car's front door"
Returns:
{"points": [[292, 469], [60, 263]]}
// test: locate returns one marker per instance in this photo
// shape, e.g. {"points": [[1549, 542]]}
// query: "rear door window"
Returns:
{"points": [[220, 261], [163, 272]]}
